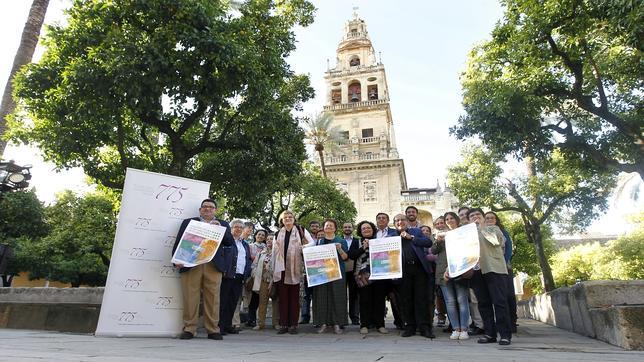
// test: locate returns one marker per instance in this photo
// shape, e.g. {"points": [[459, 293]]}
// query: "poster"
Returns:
{"points": [[322, 265], [142, 295], [462, 248], [385, 258], [198, 244]]}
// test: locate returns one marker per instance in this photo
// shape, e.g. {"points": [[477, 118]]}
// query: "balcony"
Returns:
{"points": [[354, 105]]}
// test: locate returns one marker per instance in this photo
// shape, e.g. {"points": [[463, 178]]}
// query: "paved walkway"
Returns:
{"points": [[534, 342]]}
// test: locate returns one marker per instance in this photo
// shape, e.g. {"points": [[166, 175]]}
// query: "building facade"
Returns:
{"points": [[366, 164]]}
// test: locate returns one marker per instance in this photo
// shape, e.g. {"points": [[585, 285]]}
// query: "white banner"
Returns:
{"points": [[462, 248], [199, 243], [322, 265], [143, 293], [385, 258]]}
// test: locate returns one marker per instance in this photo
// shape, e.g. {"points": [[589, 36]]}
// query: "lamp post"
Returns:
{"points": [[13, 177]]}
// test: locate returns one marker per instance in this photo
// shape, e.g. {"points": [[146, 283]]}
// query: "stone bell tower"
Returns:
{"points": [[366, 164]]}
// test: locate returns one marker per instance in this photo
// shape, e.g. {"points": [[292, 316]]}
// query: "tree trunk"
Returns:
{"points": [[322, 167], [28, 42], [548, 280]]}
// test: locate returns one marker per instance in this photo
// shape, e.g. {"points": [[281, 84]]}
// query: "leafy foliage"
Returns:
{"points": [[621, 259], [78, 246], [554, 189], [184, 87], [560, 75], [311, 197], [22, 217]]}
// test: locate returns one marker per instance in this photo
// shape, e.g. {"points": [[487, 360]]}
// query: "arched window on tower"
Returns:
{"points": [[336, 96], [354, 61], [355, 91], [372, 91]]}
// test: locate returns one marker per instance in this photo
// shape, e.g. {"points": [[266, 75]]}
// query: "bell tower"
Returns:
{"points": [[366, 164]]}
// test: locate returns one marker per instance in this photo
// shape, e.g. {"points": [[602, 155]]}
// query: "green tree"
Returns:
{"points": [[322, 135], [21, 219], [79, 244], [184, 87], [561, 75], [553, 190], [311, 197]]}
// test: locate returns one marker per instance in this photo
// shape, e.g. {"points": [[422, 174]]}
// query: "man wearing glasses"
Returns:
{"points": [[203, 279]]}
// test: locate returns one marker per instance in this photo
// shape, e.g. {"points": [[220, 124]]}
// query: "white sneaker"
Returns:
{"points": [[463, 335], [383, 330], [364, 330], [455, 335], [322, 329]]}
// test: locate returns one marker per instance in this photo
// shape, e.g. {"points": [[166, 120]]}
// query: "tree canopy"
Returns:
{"points": [[561, 75], [552, 190], [311, 197], [192, 88], [78, 245]]}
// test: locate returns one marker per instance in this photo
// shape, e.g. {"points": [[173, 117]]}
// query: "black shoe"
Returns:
{"points": [[408, 333], [427, 333], [215, 336], [504, 342], [292, 330], [476, 331], [232, 330], [486, 339], [355, 322], [251, 324], [282, 330], [399, 326], [305, 321], [186, 335]]}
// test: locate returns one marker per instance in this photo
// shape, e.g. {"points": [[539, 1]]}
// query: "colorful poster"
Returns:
{"points": [[385, 258], [198, 244], [322, 265], [142, 295], [462, 249]]}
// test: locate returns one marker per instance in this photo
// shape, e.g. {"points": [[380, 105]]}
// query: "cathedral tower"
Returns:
{"points": [[366, 164]]}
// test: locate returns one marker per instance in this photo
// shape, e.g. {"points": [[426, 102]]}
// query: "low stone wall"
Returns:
{"points": [[611, 311], [58, 309]]}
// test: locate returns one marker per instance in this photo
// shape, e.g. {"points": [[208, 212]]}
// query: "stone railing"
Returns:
{"points": [[370, 139], [348, 159], [58, 309], [353, 105], [416, 197], [609, 310]]}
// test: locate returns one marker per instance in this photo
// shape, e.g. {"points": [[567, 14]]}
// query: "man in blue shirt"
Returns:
{"points": [[238, 269]]}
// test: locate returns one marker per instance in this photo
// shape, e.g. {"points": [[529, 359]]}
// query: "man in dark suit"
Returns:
{"points": [[203, 278], [416, 271], [352, 288], [238, 269]]}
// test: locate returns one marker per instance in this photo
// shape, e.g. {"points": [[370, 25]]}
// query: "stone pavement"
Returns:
{"points": [[534, 342]]}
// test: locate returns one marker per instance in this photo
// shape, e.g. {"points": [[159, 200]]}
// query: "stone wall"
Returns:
{"points": [[611, 311], [58, 309]]}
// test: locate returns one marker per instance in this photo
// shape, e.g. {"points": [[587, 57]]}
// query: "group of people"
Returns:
{"points": [[270, 266]]}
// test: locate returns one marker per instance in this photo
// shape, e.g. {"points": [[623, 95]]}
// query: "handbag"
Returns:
{"points": [[362, 278]]}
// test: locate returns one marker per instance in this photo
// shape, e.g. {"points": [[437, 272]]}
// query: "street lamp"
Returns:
{"points": [[13, 177]]}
